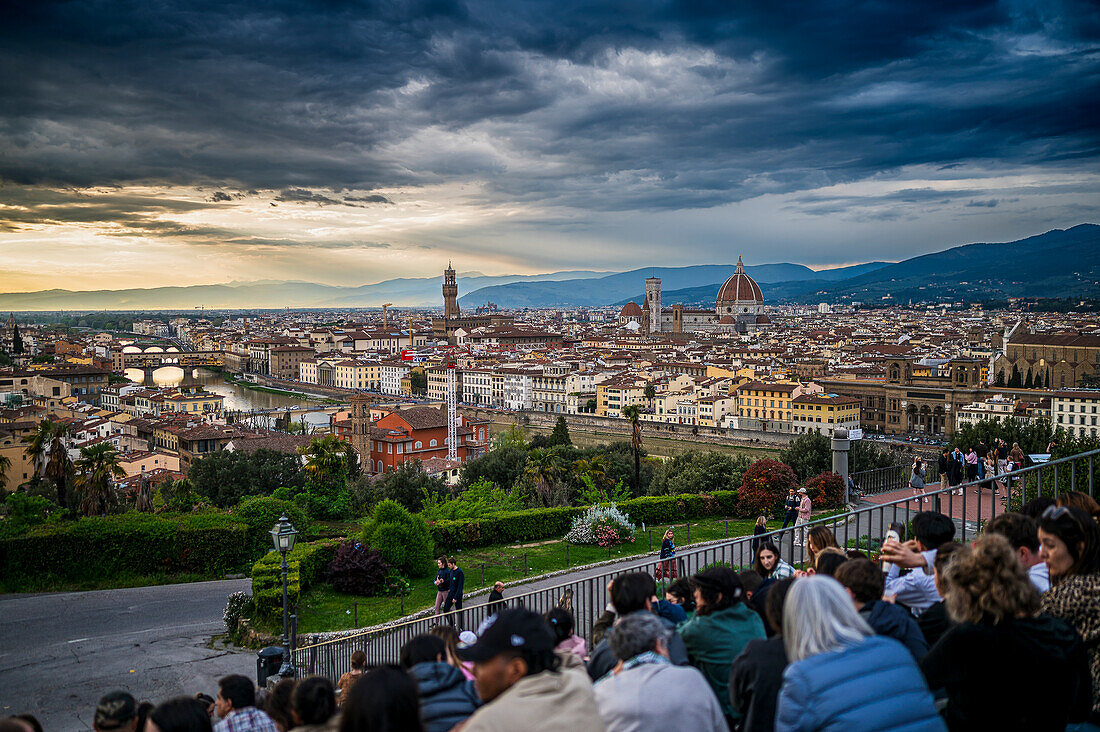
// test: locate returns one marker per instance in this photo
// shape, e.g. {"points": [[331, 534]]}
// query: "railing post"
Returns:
{"points": [[841, 445], [483, 573], [525, 564], [356, 606], [402, 594]]}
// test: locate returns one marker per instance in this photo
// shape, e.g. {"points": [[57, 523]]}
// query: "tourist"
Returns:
{"points": [[864, 582], [348, 679], [450, 638], [631, 593], [454, 595], [828, 561], [116, 712], [750, 583], [182, 714], [1080, 500], [1000, 452], [236, 705], [983, 456], [520, 682], [1016, 455], [916, 480], [722, 625], [313, 705], [1070, 545], [278, 704], [208, 702], [769, 565], [758, 531], [819, 538], [1000, 635], [756, 675], [1023, 535], [933, 622], [956, 469], [944, 466], [384, 700], [645, 690], [917, 589], [841, 675], [667, 569], [565, 640], [682, 593], [805, 508], [496, 598], [446, 696], [442, 583], [971, 465], [790, 505]]}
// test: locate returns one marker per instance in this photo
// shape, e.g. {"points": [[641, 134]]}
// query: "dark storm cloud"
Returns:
{"points": [[605, 106]]}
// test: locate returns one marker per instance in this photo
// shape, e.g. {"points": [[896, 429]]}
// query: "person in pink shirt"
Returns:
{"points": [[804, 508]]}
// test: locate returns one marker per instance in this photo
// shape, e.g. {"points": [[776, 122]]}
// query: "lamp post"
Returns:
{"points": [[283, 536]]}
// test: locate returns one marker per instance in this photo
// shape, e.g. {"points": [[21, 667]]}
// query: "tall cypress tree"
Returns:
{"points": [[1014, 381]]}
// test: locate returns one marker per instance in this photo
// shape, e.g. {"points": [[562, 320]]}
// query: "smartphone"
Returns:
{"points": [[892, 533]]}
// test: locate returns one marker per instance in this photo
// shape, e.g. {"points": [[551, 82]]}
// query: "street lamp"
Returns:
{"points": [[283, 536]]}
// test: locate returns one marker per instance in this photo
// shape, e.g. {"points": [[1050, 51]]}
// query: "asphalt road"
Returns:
{"points": [[60, 652]]}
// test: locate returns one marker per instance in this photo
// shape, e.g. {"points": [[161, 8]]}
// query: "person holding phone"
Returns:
{"points": [[916, 480]]}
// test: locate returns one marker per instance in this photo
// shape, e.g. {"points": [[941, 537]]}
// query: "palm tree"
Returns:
{"points": [[542, 469], [633, 413], [326, 458], [96, 468], [46, 448], [5, 465], [595, 469]]}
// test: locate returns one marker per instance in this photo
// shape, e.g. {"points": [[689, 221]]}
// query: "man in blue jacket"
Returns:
{"points": [[454, 597], [864, 582]]}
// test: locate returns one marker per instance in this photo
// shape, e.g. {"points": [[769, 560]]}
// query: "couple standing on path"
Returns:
{"points": [[798, 506], [449, 583]]}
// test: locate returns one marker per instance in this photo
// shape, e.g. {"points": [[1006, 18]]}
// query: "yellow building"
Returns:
{"points": [[613, 396], [824, 412], [765, 406]]}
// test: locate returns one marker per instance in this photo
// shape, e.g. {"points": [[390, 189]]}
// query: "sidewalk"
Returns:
{"points": [[970, 506]]}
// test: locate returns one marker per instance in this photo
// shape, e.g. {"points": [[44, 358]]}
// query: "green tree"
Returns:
{"points": [[699, 471], [543, 470], [514, 436], [811, 454], [407, 484], [1000, 380], [1032, 437], [1028, 382], [96, 468], [560, 435], [46, 448], [502, 466], [590, 406], [5, 466], [650, 392], [594, 469], [401, 537], [418, 380], [326, 459], [633, 413], [1014, 381], [225, 477]]}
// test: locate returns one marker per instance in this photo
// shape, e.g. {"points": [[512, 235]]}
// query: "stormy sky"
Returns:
{"points": [[171, 143]]}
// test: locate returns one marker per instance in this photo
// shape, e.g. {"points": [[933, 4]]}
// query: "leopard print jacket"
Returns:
{"points": [[1076, 599]]}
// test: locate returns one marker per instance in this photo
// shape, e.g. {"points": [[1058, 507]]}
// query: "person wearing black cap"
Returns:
{"points": [[518, 677], [116, 712]]}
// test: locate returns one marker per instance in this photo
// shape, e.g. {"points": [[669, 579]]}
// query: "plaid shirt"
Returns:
{"points": [[249, 719]]}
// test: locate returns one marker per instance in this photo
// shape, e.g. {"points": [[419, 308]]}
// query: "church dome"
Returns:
{"points": [[630, 310], [739, 289]]}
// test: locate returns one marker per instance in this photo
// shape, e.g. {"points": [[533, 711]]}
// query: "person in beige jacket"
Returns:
{"points": [[523, 683]]}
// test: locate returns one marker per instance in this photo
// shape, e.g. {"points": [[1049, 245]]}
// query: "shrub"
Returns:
{"points": [[699, 471], [24, 511], [357, 570], [826, 490], [764, 487], [306, 565], [235, 607], [401, 537], [601, 525], [482, 498], [261, 514]]}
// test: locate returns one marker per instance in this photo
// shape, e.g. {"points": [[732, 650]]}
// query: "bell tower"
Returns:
{"points": [[450, 293]]}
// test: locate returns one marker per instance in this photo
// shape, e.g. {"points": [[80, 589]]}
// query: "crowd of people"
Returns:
{"points": [[1000, 634]]}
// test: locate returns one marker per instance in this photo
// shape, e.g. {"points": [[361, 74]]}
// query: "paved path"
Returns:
{"points": [[60, 652]]}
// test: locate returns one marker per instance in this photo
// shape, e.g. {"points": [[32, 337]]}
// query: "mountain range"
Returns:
{"points": [[1058, 263]]}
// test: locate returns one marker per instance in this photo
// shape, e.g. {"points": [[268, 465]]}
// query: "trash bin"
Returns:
{"points": [[268, 662]]}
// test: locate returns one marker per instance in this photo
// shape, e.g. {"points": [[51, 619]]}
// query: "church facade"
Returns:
{"points": [[738, 308]]}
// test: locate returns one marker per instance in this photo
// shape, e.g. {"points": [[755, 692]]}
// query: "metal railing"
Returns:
{"points": [[892, 478], [586, 595]]}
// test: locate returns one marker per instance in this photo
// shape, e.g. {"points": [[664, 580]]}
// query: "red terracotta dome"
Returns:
{"points": [[726, 320], [739, 288], [630, 310]]}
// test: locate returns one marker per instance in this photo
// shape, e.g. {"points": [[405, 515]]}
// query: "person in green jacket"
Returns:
{"points": [[720, 629]]}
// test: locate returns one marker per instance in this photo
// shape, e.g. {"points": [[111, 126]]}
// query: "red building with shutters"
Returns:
{"points": [[417, 433]]}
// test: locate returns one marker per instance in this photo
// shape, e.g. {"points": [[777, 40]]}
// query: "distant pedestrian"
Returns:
{"points": [[971, 465], [116, 712], [1016, 455], [1001, 455], [758, 531], [667, 570], [983, 453], [496, 598], [236, 705], [945, 469], [805, 508], [348, 679], [956, 469], [454, 596], [791, 507], [916, 480], [442, 583]]}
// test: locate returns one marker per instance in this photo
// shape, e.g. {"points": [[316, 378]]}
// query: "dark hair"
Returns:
{"points": [[827, 562], [822, 537], [1080, 500], [441, 560], [183, 714], [1020, 530], [13, 724], [932, 529], [358, 659], [944, 554], [560, 621], [238, 690], [277, 703], [32, 721], [1080, 534], [423, 648], [750, 580], [143, 711], [856, 554], [631, 591], [717, 581], [758, 565], [1035, 507], [205, 698], [384, 699], [776, 600], [863, 577], [314, 700], [684, 591]]}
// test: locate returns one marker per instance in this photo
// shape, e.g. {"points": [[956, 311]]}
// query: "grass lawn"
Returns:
{"points": [[321, 608]]}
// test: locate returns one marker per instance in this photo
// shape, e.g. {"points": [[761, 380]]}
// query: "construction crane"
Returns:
{"points": [[452, 409], [385, 314]]}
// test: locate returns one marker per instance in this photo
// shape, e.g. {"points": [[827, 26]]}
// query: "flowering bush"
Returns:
{"points": [[764, 487], [602, 526], [826, 490], [235, 607]]}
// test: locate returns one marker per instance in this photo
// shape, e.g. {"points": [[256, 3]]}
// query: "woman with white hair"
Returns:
{"points": [[841, 675]]}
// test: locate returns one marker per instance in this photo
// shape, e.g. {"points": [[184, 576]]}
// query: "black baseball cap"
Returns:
{"points": [[515, 629], [115, 711]]}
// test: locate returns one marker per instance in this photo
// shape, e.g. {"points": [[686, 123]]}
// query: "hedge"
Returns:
{"points": [[307, 564], [548, 523], [145, 544]]}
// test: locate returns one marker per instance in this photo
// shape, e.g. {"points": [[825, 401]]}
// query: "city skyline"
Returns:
{"points": [[344, 145]]}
